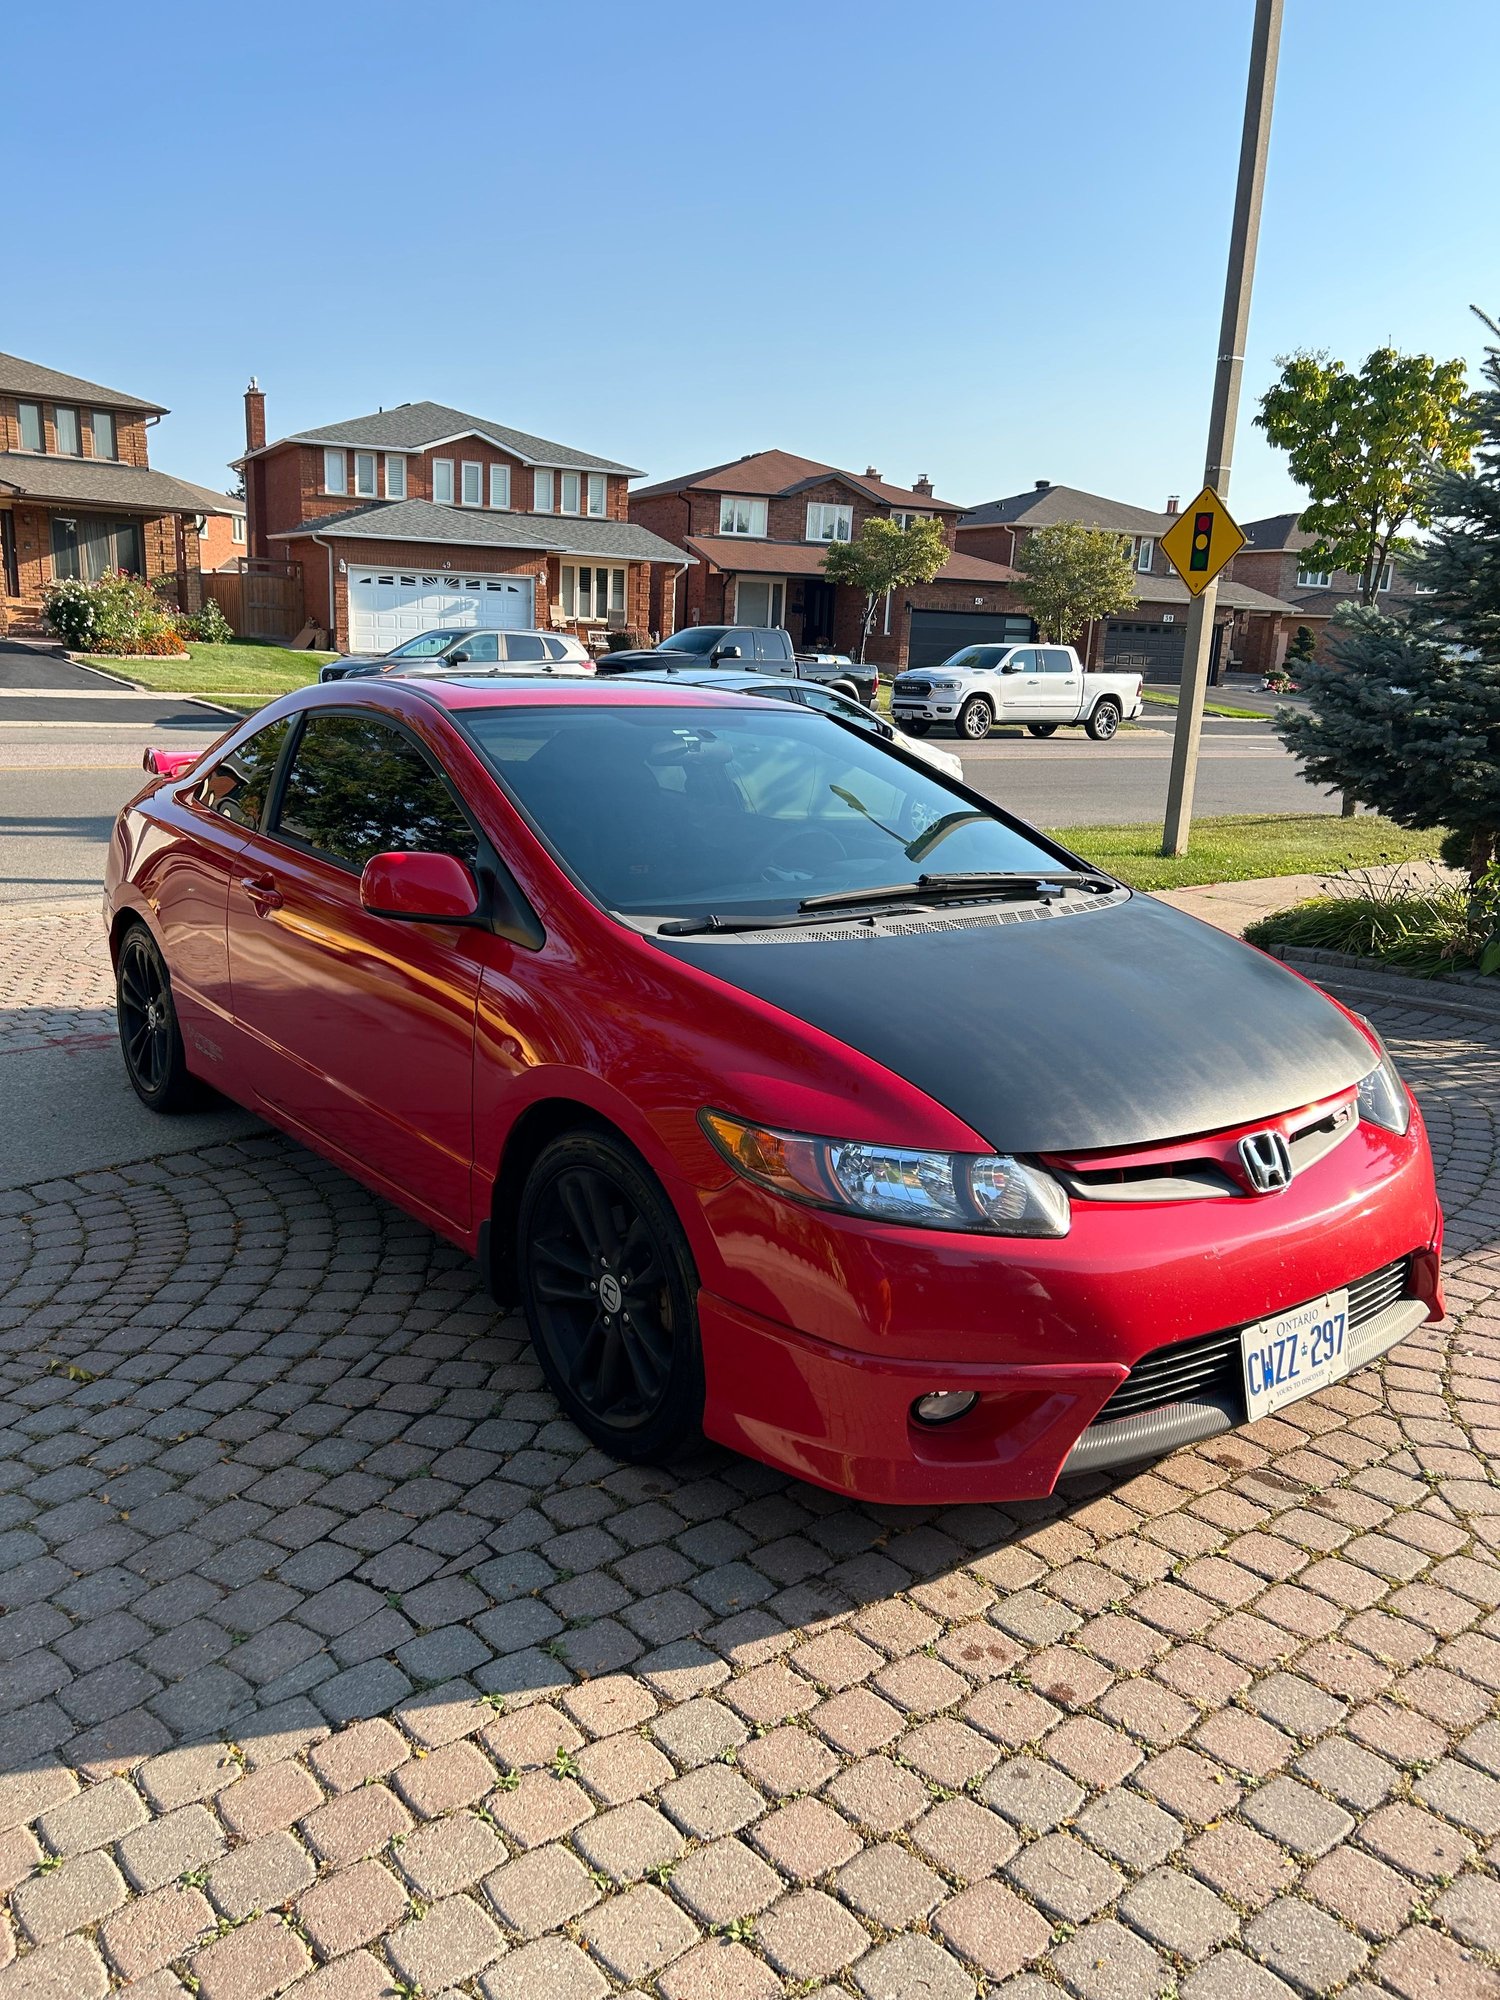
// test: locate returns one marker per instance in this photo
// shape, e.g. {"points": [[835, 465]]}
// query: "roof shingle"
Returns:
{"points": [[98, 482], [416, 426], [474, 527], [745, 556], [781, 472], [31, 379], [1046, 506]]}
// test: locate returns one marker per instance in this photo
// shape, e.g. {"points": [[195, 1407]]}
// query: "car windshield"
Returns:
{"points": [[677, 811], [973, 658], [425, 647], [697, 639]]}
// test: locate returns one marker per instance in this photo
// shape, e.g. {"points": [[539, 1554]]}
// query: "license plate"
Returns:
{"points": [[1294, 1353]]}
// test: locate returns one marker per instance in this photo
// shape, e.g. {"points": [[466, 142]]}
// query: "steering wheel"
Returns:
{"points": [[805, 852]]}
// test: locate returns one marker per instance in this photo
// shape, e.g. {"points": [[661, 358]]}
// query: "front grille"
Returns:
{"points": [[913, 688], [1208, 1367]]}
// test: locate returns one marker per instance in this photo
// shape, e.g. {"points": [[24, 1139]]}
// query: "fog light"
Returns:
{"points": [[943, 1405]]}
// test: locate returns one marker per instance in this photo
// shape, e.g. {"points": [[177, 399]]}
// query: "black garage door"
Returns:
{"points": [[936, 634], [1134, 646]]}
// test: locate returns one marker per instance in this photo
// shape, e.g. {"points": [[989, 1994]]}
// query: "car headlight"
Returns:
{"points": [[988, 1193], [945, 687], [1382, 1098]]}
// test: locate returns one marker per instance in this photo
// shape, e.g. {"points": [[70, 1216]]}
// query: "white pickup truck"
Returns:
{"points": [[1043, 687]]}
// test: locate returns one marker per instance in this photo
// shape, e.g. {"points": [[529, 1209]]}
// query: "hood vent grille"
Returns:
{"points": [[992, 918]]}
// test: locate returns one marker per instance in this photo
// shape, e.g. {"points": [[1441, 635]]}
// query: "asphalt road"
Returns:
{"points": [[67, 765]]}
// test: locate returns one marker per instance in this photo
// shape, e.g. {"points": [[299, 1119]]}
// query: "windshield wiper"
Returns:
{"points": [[981, 883], [801, 917]]}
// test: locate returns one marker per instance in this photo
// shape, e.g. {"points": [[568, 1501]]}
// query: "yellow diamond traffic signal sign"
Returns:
{"points": [[1201, 540]]}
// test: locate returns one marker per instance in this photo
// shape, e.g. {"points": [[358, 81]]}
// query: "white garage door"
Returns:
{"points": [[389, 606]]}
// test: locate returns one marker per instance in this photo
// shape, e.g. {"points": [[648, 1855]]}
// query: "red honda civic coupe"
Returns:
{"points": [[799, 1094]]}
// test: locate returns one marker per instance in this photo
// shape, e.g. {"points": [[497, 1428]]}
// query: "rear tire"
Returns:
{"points": [[150, 1039], [610, 1296], [1104, 721], [914, 728], [846, 688], [976, 719], [1041, 729]]}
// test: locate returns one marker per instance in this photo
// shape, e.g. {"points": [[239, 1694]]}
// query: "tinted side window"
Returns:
{"points": [[769, 644], [524, 646], [239, 784], [1023, 661], [358, 787], [483, 648], [556, 650], [1055, 660]]}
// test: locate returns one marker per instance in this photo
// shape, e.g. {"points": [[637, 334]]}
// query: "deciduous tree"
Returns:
{"points": [[1363, 444], [1070, 574], [886, 556]]}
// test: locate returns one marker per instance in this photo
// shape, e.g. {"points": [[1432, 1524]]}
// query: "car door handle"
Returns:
{"points": [[263, 893]]}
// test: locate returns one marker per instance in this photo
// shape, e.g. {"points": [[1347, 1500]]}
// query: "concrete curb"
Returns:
{"points": [[1468, 994]]}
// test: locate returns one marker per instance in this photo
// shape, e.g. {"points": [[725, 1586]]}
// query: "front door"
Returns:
{"points": [[1019, 686], [1060, 691], [360, 1028]]}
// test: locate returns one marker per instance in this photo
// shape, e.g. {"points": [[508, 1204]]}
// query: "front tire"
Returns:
{"points": [[1104, 721], [609, 1292], [976, 719], [150, 1039], [914, 728], [1041, 729]]}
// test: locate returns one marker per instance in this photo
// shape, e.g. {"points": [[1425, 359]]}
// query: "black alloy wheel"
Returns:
{"points": [[609, 1290], [1041, 729], [150, 1039], [1104, 721]]}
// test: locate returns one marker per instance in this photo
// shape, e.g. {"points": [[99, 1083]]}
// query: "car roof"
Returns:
{"points": [[717, 677], [461, 691]]}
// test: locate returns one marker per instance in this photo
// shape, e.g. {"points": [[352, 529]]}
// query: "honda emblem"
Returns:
{"points": [[1267, 1160]]}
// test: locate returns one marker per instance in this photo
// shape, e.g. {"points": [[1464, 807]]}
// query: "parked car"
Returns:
{"points": [[827, 701], [526, 651], [1044, 687], [765, 649], [798, 1092]]}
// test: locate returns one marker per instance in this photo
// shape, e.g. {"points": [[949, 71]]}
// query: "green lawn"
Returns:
{"points": [[238, 668], [1240, 848], [1220, 708]]}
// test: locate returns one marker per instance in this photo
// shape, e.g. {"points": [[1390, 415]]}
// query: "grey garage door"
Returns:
{"points": [[1153, 650], [936, 634]]}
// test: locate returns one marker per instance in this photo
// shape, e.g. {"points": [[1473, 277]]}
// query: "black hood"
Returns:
{"points": [[1117, 1027], [649, 658]]}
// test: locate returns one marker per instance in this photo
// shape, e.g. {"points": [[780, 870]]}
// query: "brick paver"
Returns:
{"points": [[331, 1656]]}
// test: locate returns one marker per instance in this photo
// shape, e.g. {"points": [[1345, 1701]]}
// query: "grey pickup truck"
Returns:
{"points": [[761, 649]]}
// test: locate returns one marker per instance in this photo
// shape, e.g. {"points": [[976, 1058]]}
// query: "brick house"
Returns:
{"points": [[1150, 637], [423, 516], [77, 496], [1273, 559], [221, 528], [760, 527]]}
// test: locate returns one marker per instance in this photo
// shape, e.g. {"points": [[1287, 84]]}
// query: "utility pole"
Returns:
{"points": [[1259, 95]]}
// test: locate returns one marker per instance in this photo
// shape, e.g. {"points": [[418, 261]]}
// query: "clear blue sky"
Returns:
{"points": [[979, 240]]}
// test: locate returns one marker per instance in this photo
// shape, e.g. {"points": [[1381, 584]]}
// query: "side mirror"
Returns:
{"points": [[169, 763], [458, 659], [727, 653], [1010, 667], [419, 889]]}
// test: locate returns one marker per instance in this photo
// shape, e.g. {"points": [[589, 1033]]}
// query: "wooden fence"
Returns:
{"points": [[261, 599]]}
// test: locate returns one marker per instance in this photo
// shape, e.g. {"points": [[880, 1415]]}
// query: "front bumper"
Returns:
{"points": [[820, 1332], [923, 711]]}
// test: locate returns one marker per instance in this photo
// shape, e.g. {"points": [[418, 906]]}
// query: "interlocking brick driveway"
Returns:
{"points": [[333, 1658]]}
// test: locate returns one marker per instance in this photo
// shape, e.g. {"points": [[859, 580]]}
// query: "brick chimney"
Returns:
{"points": [[1174, 501], [923, 485], [255, 416], [871, 473]]}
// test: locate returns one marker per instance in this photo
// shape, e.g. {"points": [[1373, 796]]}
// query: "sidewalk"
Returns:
{"points": [[1234, 905]]}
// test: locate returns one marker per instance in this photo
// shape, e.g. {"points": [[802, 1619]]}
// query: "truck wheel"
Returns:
{"points": [[1041, 729], [976, 719], [1104, 721], [846, 688], [914, 728]]}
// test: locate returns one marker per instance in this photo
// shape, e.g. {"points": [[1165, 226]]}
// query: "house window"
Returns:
{"points": [[103, 425], [471, 491], [442, 481], [499, 485], [542, 501], [1424, 590], [335, 472], [1145, 550], [69, 436], [364, 474], [30, 415], [1386, 577], [1313, 579], [758, 600], [905, 520], [592, 594], [87, 545], [237, 528], [395, 476], [570, 492], [827, 522], [739, 516], [598, 493]]}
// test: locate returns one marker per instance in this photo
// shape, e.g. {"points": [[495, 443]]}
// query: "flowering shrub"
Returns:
{"points": [[210, 625], [158, 644], [70, 610]]}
